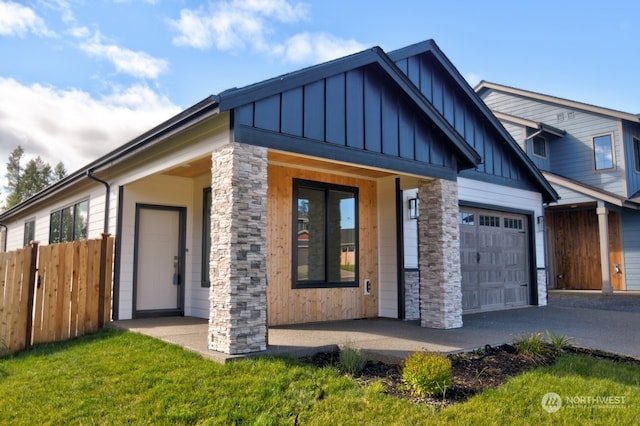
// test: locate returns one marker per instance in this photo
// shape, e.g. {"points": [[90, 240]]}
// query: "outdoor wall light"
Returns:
{"points": [[540, 220], [413, 208]]}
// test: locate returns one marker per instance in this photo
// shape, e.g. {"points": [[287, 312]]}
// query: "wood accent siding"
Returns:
{"points": [[286, 305], [360, 109], [575, 248]]}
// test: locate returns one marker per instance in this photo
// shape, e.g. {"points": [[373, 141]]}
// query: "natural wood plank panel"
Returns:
{"points": [[291, 306], [575, 245]]}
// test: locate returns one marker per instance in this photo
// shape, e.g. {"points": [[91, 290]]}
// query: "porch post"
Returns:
{"points": [[238, 297], [603, 231], [439, 248]]}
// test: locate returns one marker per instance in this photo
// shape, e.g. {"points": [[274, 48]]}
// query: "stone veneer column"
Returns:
{"points": [[238, 294], [439, 248]]}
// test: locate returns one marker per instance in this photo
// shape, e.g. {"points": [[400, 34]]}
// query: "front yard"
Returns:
{"points": [[117, 377]]}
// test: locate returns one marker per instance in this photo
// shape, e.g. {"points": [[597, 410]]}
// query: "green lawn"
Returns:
{"points": [[117, 377]]}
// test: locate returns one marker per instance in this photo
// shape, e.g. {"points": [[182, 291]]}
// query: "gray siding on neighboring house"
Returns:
{"points": [[631, 248], [572, 155], [629, 131], [568, 196]]}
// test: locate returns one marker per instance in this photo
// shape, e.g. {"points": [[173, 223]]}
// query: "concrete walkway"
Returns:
{"points": [[589, 319]]}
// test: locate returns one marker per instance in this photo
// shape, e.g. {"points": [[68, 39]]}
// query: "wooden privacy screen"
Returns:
{"points": [[68, 295]]}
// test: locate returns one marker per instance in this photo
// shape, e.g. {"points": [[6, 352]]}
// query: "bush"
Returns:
{"points": [[559, 342], [427, 374], [531, 345], [351, 360]]}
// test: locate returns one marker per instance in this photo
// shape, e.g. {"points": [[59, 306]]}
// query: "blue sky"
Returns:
{"points": [[78, 78]]}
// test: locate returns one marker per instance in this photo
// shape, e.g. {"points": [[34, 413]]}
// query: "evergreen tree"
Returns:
{"points": [[36, 175]]}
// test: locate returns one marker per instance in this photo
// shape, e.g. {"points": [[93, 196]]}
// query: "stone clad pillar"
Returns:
{"points": [[238, 293], [439, 251]]}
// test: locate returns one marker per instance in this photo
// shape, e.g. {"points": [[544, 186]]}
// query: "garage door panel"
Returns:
{"points": [[494, 258]]}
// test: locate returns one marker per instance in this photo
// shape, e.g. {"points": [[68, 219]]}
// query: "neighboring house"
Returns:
{"points": [[284, 202], [591, 156]]}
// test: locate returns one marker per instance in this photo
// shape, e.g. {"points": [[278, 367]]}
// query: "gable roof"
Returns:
{"points": [[596, 193], [375, 56], [486, 85], [430, 47]]}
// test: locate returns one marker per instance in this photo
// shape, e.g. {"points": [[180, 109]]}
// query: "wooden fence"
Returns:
{"points": [[65, 294]]}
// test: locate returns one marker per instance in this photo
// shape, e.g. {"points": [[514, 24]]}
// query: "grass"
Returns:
{"points": [[117, 377]]}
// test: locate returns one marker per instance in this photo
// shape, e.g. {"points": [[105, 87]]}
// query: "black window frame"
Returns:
{"points": [[327, 188], [635, 141], [29, 232], [63, 233], [205, 280]]}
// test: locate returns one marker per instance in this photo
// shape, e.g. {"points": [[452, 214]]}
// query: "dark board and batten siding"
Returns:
{"points": [[499, 163], [356, 116]]}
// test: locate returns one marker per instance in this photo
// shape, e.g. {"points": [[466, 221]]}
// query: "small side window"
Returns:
{"points": [[603, 152], [636, 153], [539, 147]]}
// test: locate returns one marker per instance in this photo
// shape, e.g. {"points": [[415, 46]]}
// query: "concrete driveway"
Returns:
{"points": [[589, 319]]}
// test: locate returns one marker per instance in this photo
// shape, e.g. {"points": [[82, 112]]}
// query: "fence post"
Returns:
{"points": [[31, 289], [103, 283]]}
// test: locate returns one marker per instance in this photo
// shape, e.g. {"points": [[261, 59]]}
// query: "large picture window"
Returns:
{"points": [[325, 235], [69, 223]]}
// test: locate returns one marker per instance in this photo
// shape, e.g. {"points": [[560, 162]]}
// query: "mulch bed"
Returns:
{"points": [[473, 372]]}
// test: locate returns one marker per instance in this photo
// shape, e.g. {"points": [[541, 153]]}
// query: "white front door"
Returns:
{"points": [[159, 261]]}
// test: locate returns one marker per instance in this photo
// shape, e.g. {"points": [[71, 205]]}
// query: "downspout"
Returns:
{"points": [[6, 235], [107, 198]]}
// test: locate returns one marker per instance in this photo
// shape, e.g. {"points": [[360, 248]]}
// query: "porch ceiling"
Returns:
{"points": [[330, 166], [191, 169]]}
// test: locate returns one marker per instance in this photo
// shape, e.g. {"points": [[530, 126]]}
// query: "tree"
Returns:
{"points": [[36, 175]]}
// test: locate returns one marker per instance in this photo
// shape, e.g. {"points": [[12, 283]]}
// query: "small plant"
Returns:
{"points": [[531, 345], [427, 374], [559, 342], [351, 360]]}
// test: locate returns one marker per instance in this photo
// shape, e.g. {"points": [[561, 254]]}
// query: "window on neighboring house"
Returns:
{"points": [[636, 153], [206, 237], [29, 232], [539, 146], [69, 223], [325, 235], [603, 152]]}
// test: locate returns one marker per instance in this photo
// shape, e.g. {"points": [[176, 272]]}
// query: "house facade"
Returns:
{"points": [[287, 201], [591, 156]]}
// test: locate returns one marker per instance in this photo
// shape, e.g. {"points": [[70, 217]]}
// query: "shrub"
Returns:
{"points": [[559, 342], [427, 374], [351, 360], [531, 345]]}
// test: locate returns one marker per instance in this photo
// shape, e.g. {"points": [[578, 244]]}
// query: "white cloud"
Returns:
{"points": [[138, 64], [72, 126], [18, 20], [317, 47], [235, 24]]}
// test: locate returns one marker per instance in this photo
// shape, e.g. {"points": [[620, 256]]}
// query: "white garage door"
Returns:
{"points": [[494, 259]]}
